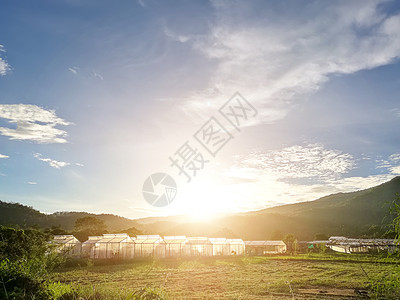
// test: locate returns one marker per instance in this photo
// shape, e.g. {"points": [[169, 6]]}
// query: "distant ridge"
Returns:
{"points": [[355, 214], [25, 216]]}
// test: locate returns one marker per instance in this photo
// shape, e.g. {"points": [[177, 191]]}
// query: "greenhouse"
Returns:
{"points": [[220, 246], [67, 244], [349, 245], [265, 247], [118, 245], [236, 246], [149, 245], [175, 246], [88, 246], [199, 246]]}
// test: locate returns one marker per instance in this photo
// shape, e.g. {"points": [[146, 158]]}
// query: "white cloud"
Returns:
{"points": [[176, 37], [312, 161], [32, 182], [53, 163], [97, 75], [4, 66], [293, 174], [74, 70], [395, 170], [390, 164], [33, 123], [141, 3], [274, 62], [79, 164], [395, 166], [395, 157], [268, 190], [3, 156]]}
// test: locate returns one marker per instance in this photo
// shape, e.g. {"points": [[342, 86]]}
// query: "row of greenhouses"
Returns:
{"points": [[125, 247]]}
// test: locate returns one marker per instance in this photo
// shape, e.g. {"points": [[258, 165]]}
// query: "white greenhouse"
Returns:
{"points": [[220, 246], [176, 246], [236, 246], [199, 246], [149, 245], [67, 244], [265, 247], [118, 245]]}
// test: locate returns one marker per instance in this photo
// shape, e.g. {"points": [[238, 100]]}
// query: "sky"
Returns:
{"points": [[96, 96]]}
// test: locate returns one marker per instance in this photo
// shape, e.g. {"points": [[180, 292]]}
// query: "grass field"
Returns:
{"points": [[313, 276]]}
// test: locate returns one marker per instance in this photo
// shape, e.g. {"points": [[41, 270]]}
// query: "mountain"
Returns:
{"points": [[25, 216], [356, 214], [361, 213]]}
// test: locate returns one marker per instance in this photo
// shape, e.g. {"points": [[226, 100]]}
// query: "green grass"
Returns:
{"points": [[322, 276]]}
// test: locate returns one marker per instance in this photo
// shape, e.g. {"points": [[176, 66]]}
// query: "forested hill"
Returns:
{"points": [[362, 213], [25, 216], [356, 214]]}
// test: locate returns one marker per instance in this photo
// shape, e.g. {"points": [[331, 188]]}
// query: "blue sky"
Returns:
{"points": [[97, 95]]}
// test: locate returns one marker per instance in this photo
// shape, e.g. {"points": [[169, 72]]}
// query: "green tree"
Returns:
{"points": [[56, 230], [25, 259], [395, 214], [132, 231], [22, 244], [291, 243], [87, 226]]}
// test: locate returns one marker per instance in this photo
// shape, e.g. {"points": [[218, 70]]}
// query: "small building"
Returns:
{"points": [[176, 246], [118, 245], [67, 244], [265, 247], [199, 246], [236, 246], [149, 246]]}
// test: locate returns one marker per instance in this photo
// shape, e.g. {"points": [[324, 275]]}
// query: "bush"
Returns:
{"points": [[26, 257], [19, 281]]}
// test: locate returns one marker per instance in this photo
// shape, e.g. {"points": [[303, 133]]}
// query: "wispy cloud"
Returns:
{"points": [[97, 75], [141, 3], [313, 161], [53, 163], [275, 61], [389, 164], [74, 70], [32, 182], [176, 37], [4, 156], [33, 123], [4, 66]]}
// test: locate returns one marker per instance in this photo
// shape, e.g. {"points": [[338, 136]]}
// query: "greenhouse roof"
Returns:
{"points": [[235, 241], [198, 240], [218, 241], [148, 239], [264, 243], [115, 238], [64, 239], [175, 239]]}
